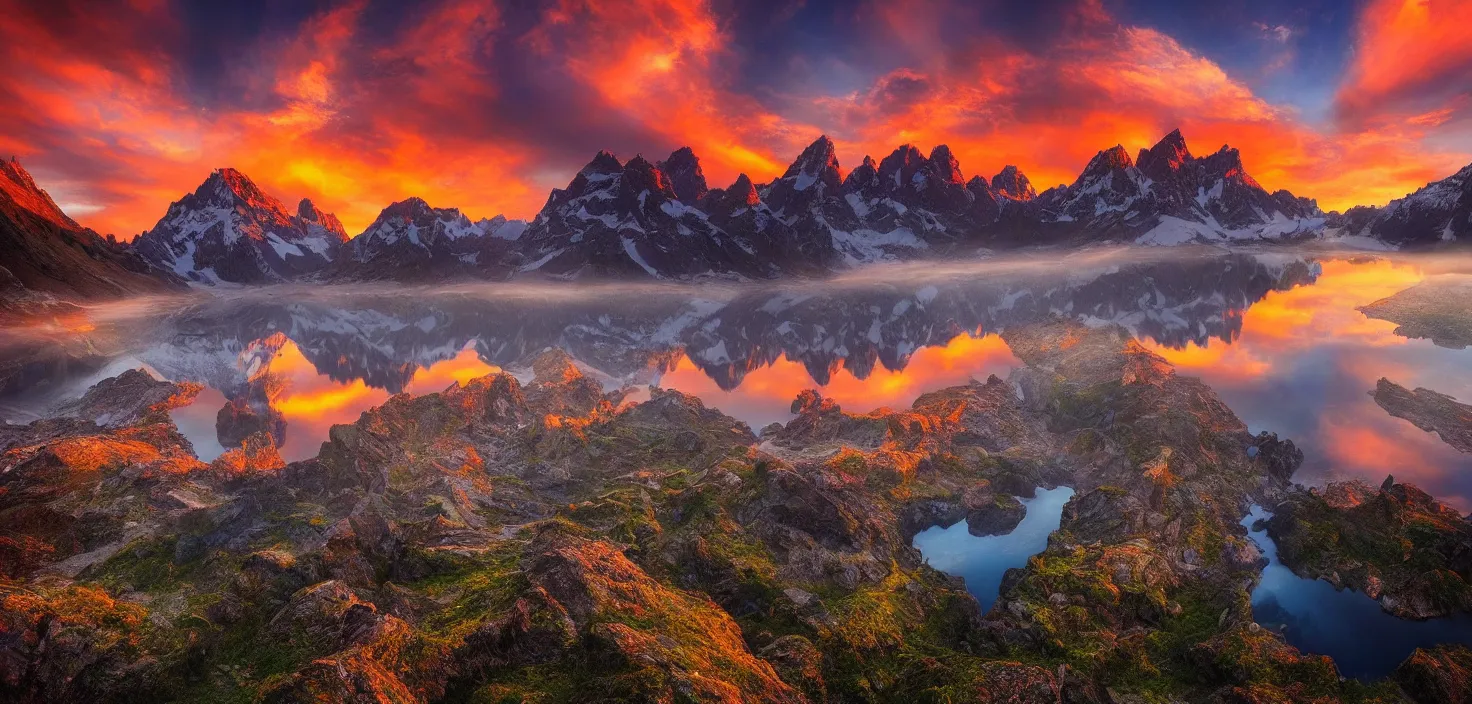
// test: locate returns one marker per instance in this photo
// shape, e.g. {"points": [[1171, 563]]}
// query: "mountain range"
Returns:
{"points": [[662, 220]]}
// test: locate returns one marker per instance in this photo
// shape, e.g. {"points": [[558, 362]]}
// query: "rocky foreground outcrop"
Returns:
{"points": [[1395, 543], [1437, 675], [552, 542]]}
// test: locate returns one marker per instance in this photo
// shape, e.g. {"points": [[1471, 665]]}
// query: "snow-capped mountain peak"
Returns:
{"points": [[1168, 196], [229, 229], [502, 228], [818, 164], [628, 219], [1436, 214], [413, 229], [1112, 158]]}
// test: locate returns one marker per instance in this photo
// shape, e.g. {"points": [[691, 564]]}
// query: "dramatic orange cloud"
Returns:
{"points": [[297, 144], [652, 62], [121, 109], [1414, 55]]}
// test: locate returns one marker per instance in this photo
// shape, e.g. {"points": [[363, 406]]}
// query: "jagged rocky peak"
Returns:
{"points": [[417, 211], [1012, 184], [502, 227], [744, 188], [897, 169], [1105, 161], [227, 186], [863, 177], [234, 199], [817, 163], [641, 175], [740, 194], [314, 218], [229, 229], [805, 196], [1439, 212], [44, 251], [407, 208], [18, 174], [683, 170], [1226, 163], [597, 175], [417, 227], [604, 162], [944, 164], [1168, 155]]}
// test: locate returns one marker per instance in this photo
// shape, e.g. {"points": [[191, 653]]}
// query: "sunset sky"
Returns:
{"points": [[120, 108]]}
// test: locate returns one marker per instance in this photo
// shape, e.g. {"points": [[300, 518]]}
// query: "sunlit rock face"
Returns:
{"points": [[47, 254]]}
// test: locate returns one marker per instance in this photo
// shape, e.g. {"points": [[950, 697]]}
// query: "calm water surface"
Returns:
{"points": [[1346, 625], [982, 561]]}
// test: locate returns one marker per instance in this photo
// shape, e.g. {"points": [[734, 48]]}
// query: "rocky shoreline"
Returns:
{"points": [[1395, 543], [553, 542]]}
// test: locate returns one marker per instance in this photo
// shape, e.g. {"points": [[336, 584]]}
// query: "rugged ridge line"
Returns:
{"points": [[662, 220]]}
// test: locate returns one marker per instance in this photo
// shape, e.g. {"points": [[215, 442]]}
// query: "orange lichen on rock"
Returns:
{"points": [[575, 425], [34, 615], [1143, 366], [95, 453], [256, 454], [1158, 469], [685, 637]]}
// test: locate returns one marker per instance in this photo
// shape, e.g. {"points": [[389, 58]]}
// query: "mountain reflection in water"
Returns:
{"points": [[1303, 367], [1276, 334]]}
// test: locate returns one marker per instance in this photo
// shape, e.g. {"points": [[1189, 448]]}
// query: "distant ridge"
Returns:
{"points": [[43, 251], [662, 220]]}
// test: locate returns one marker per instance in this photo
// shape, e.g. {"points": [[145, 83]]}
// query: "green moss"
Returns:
{"points": [[1207, 537], [482, 590], [147, 565]]}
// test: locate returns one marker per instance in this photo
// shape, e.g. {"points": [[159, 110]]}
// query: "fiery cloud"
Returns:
{"points": [[1412, 62], [120, 109]]}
